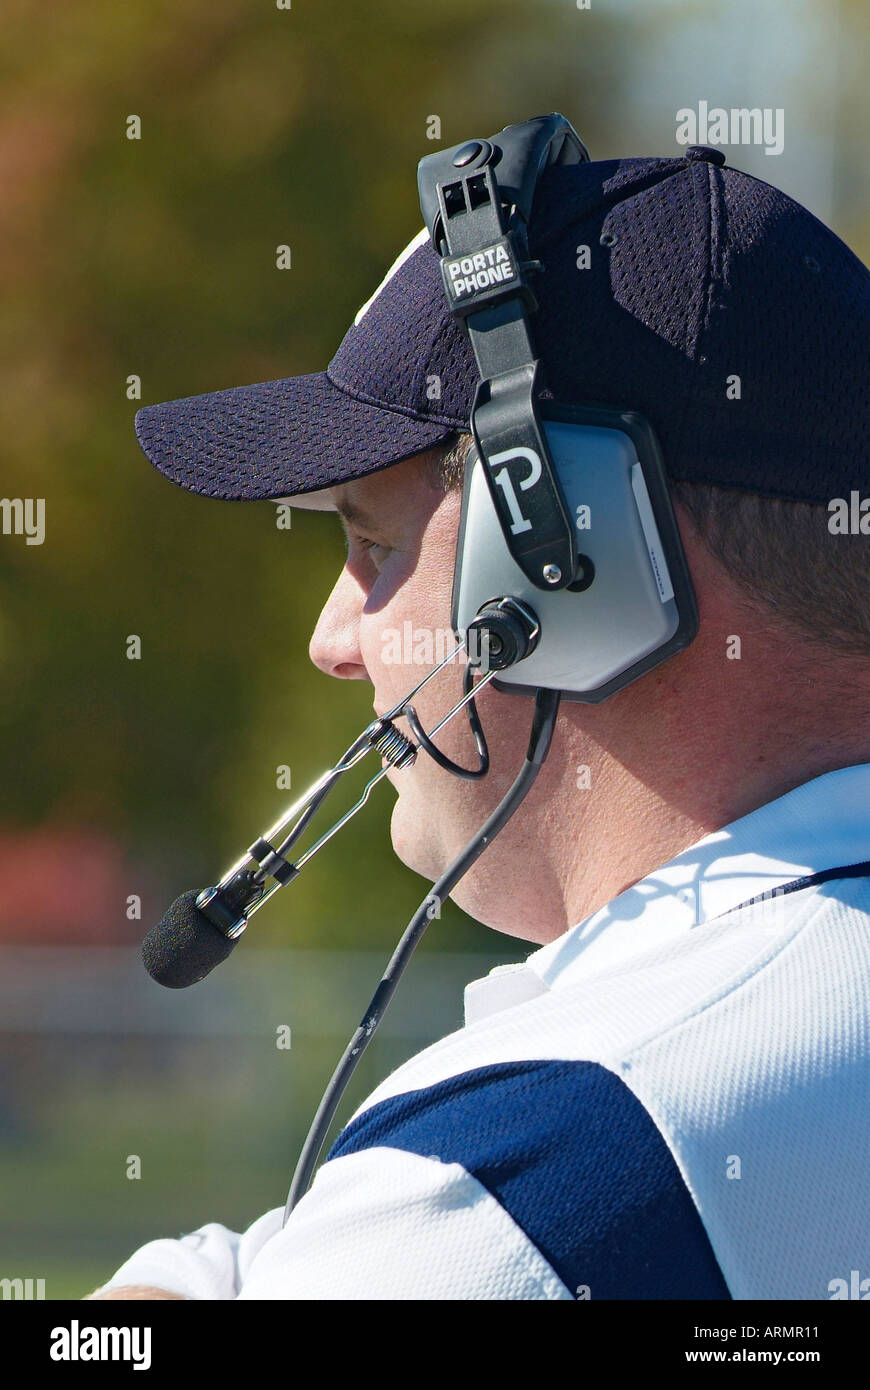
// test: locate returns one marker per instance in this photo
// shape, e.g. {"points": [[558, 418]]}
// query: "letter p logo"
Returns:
{"points": [[503, 479]]}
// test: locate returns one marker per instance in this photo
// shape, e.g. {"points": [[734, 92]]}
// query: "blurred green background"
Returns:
{"points": [[156, 257]]}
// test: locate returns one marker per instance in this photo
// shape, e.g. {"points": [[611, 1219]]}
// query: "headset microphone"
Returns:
{"points": [[201, 928], [185, 945]]}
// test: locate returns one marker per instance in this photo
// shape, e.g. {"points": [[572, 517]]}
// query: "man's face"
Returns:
{"points": [[388, 621]]}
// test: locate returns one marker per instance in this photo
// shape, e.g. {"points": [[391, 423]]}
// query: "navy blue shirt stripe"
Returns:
{"points": [[571, 1154]]}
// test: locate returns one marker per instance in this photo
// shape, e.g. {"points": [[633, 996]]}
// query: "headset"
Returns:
{"points": [[532, 611]]}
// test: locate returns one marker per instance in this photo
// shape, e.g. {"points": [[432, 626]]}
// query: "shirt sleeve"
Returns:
{"points": [[522, 1180], [210, 1263], [388, 1224]]}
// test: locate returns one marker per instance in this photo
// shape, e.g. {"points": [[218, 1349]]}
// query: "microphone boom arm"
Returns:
{"points": [[242, 891]]}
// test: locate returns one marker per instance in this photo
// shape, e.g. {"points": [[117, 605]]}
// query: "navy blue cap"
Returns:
{"points": [[713, 304]]}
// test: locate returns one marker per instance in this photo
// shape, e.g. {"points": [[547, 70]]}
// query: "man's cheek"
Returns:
{"points": [[391, 656], [391, 674]]}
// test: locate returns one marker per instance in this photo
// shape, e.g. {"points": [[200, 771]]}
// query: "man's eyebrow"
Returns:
{"points": [[358, 516]]}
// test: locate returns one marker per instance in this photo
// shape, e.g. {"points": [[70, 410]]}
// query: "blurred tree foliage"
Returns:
{"points": [[157, 257]]}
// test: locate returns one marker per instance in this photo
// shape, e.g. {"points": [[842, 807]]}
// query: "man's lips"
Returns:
{"points": [[382, 714]]}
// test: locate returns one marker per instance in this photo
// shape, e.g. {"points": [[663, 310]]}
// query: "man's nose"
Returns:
{"points": [[334, 646]]}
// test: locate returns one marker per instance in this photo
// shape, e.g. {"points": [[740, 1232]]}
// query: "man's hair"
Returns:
{"points": [[781, 553]]}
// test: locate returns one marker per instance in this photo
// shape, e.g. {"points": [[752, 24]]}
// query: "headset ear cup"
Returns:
{"points": [[629, 603]]}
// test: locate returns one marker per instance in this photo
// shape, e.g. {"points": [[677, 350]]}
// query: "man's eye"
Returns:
{"points": [[372, 548]]}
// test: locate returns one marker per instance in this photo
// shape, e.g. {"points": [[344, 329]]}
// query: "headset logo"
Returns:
{"points": [[481, 270], [503, 479]]}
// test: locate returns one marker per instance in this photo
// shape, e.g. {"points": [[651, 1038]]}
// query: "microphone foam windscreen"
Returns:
{"points": [[185, 945]]}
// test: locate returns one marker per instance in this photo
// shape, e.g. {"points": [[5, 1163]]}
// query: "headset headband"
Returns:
{"points": [[476, 199]]}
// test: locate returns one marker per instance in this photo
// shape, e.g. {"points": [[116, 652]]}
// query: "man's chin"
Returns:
{"points": [[410, 833], [423, 855]]}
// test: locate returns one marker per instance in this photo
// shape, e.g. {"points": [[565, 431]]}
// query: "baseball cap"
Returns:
{"points": [[696, 294]]}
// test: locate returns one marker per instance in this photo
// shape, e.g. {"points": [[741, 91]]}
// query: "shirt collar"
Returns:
{"points": [[820, 825]]}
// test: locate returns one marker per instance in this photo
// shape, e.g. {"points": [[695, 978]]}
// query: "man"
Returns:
{"points": [[668, 1099]]}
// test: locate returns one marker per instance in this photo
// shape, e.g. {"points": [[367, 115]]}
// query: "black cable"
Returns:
{"points": [[425, 742], [543, 723]]}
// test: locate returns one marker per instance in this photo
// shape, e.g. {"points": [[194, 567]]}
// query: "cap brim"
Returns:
{"points": [[292, 439]]}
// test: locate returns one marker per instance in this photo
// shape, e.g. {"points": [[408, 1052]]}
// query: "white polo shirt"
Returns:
{"points": [[672, 1100]]}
